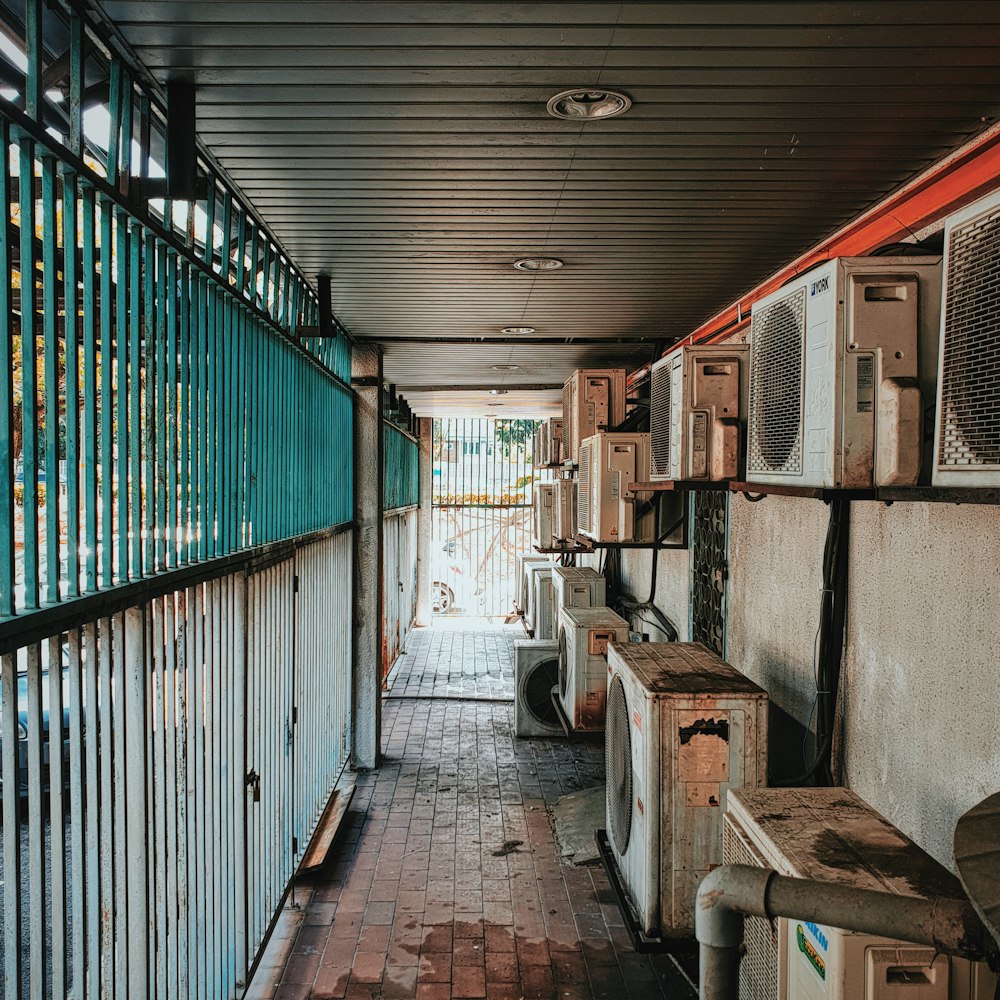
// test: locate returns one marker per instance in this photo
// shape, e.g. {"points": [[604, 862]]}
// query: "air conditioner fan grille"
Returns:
{"points": [[759, 966], [659, 419], [777, 335], [618, 766], [970, 371], [536, 691]]}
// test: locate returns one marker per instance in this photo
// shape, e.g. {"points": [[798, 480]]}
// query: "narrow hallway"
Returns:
{"points": [[447, 881]]}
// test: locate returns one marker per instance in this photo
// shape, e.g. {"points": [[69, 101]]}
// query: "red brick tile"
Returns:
{"points": [[467, 981], [368, 967], [331, 982], [435, 967], [468, 951]]}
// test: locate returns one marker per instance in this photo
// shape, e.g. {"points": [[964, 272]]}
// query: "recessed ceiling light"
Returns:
{"points": [[494, 404], [587, 105], [512, 330], [498, 392], [538, 263], [505, 368]]}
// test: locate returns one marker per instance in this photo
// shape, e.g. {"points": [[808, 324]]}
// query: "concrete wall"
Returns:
{"points": [[920, 694], [673, 590]]}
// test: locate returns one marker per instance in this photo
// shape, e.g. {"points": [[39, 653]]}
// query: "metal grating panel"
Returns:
{"points": [[709, 571], [584, 498], [970, 371], [660, 418], [759, 967], [776, 374], [618, 766]]}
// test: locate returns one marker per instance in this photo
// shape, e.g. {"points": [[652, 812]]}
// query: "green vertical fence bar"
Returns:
{"points": [[135, 397], [184, 348], [90, 392], [7, 605], [71, 328], [29, 376], [106, 485], [161, 409], [151, 435], [50, 348], [121, 435], [170, 423]]}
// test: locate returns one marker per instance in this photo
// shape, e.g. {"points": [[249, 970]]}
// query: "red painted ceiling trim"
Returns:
{"points": [[939, 191]]}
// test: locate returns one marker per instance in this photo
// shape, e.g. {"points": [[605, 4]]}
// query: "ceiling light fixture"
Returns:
{"points": [[494, 404], [514, 330], [498, 392], [587, 105], [505, 368], [538, 264]]}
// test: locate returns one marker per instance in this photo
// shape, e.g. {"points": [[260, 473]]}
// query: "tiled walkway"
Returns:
{"points": [[447, 882]]}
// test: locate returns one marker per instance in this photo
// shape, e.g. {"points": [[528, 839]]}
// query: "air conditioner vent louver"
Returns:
{"points": [[618, 760], [777, 336], [583, 496], [970, 372], [759, 965], [563, 664], [660, 419]]}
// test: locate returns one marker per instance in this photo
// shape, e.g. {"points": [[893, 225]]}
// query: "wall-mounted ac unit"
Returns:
{"points": [[543, 516], [967, 439], [525, 588], [607, 508], [682, 728], [837, 390], [542, 602], [584, 635], [698, 403], [565, 504], [536, 673], [548, 442], [593, 400], [831, 835], [577, 587]]}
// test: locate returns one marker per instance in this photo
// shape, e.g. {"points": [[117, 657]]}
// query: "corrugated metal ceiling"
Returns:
{"points": [[405, 149]]}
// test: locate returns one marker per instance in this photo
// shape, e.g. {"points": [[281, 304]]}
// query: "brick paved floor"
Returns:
{"points": [[447, 881], [458, 658]]}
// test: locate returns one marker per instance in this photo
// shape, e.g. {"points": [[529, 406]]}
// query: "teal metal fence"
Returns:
{"points": [[156, 405], [175, 547], [401, 478]]}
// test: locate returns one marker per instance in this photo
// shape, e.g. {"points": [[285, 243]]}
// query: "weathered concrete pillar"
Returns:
{"points": [[366, 377], [424, 608]]}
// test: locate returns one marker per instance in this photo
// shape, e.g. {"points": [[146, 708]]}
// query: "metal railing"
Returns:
{"points": [[146, 850], [401, 481], [175, 543], [399, 581]]}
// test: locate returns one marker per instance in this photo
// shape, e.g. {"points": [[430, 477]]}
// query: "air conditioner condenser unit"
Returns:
{"points": [[584, 635], [967, 438], [543, 516], [839, 379], [576, 587], [565, 510], [698, 406], [831, 835], [593, 400], [525, 587], [608, 509], [542, 601], [682, 728], [536, 673]]}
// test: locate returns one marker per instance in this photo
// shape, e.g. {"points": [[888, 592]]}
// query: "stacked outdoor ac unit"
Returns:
{"points": [[548, 443], [576, 587], [698, 403], [608, 508], [593, 400], [565, 510], [543, 516], [841, 371], [584, 636], [967, 437], [682, 728], [831, 835]]}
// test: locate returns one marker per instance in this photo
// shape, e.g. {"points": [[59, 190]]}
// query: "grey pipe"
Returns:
{"points": [[950, 926]]}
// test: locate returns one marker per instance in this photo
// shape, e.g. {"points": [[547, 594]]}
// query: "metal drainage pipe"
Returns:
{"points": [[729, 892]]}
